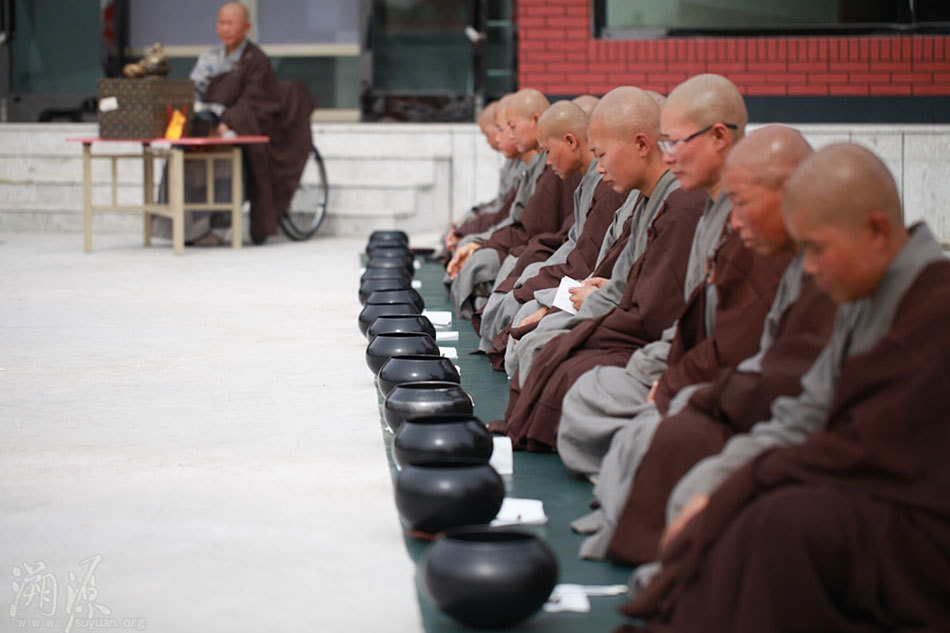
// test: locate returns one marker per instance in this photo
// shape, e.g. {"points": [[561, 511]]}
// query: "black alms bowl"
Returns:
{"points": [[488, 578], [399, 263], [447, 438], [371, 311], [434, 496], [385, 346], [370, 286], [414, 368], [389, 323], [390, 236], [425, 399], [385, 273], [400, 295], [387, 250]]}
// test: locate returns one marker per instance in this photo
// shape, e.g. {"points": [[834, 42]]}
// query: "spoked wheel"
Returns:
{"points": [[309, 204]]}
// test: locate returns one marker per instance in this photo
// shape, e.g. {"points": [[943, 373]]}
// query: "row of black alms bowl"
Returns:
{"points": [[398, 295], [384, 346], [403, 301], [481, 577]]}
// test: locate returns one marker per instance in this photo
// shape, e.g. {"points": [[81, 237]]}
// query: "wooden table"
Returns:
{"points": [[221, 148]]}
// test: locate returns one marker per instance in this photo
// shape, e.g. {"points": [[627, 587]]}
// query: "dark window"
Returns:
{"points": [[620, 18]]}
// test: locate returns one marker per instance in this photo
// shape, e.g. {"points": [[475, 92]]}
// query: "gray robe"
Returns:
{"points": [[502, 306], [615, 446], [607, 297], [482, 267], [859, 326]]}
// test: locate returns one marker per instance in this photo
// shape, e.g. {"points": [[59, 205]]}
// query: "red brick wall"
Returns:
{"points": [[558, 55]]}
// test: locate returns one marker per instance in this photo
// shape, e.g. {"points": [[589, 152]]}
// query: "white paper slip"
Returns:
{"points": [[458, 369], [439, 318], [415, 283], [416, 264], [570, 598], [449, 352], [502, 457], [562, 299], [520, 512], [446, 336]]}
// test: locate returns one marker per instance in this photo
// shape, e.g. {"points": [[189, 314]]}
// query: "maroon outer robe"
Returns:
{"points": [[545, 212], [604, 269], [256, 103], [745, 285], [732, 404], [651, 302], [580, 261], [484, 221], [847, 532]]}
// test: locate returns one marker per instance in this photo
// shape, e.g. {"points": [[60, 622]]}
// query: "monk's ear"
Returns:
{"points": [[721, 136], [571, 141], [642, 144], [879, 228]]}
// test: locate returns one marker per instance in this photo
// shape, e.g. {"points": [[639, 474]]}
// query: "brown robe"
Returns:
{"points": [[551, 205], [579, 264], [731, 404], [603, 269], [746, 283], [847, 532], [256, 103], [652, 301]]}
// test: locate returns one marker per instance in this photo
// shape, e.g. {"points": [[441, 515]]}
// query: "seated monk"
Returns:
{"points": [[562, 135], [623, 135], [481, 216], [834, 515], [632, 491], [238, 76], [538, 321], [476, 265], [729, 288]]}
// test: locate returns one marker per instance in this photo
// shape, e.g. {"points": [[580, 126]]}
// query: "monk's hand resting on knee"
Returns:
{"points": [[695, 505], [461, 256], [579, 294], [652, 395], [534, 317]]}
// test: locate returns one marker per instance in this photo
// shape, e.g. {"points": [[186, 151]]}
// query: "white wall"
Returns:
{"points": [[411, 176]]}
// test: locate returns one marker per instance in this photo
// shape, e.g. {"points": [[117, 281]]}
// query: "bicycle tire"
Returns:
{"points": [[308, 208]]}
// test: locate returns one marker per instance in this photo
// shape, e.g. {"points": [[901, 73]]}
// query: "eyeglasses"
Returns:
{"points": [[667, 147]]}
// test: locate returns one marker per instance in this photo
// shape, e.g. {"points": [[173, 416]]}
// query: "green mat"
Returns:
{"points": [[536, 476]]}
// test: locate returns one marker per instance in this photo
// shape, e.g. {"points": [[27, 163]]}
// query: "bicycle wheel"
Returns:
{"points": [[308, 207]]}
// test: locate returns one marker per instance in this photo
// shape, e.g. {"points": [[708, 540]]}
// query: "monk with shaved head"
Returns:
{"points": [[587, 103], [623, 135], [833, 514], [562, 134], [728, 289], [736, 398], [542, 205]]}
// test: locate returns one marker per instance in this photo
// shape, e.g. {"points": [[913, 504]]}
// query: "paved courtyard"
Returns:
{"points": [[192, 443]]}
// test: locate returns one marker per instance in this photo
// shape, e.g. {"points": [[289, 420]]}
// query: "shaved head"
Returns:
{"points": [[770, 155], [527, 103], [843, 207], [587, 103], [235, 7], [707, 99], [842, 184], [660, 99], [626, 111], [754, 178], [488, 114], [564, 117]]}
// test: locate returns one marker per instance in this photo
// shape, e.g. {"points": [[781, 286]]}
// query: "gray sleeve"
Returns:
{"points": [[201, 75], [545, 296], [793, 421], [649, 362]]}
